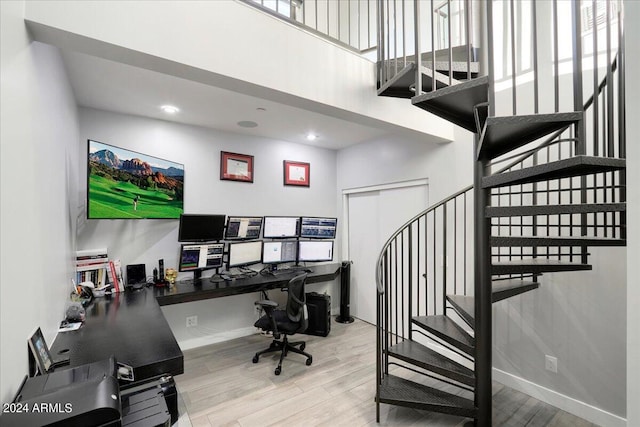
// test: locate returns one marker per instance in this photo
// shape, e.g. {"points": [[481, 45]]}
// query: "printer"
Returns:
{"points": [[84, 396]]}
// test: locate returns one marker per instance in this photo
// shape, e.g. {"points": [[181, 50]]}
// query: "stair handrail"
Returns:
{"points": [[404, 227], [548, 142], [551, 140]]}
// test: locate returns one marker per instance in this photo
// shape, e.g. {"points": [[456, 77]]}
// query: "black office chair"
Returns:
{"points": [[286, 322]]}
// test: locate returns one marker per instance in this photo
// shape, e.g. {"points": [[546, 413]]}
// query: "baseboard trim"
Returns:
{"points": [[215, 338], [566, 403], [191, 343]]}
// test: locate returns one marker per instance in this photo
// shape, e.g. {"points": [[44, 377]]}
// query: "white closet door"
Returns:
{"points": [[373, 217]]}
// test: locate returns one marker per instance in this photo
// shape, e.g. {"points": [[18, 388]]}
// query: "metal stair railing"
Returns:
{"points": [[427, 258], [603, 113], [417, 266], [566, 190], [347, 23], [447, 38]]}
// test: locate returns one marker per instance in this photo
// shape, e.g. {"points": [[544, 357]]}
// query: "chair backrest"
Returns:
{"points": [[297, 301]]}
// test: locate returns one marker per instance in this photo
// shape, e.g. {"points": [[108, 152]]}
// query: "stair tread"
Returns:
{"points": [[505, 211], [464, 305], [574, 166], [420, 355], [501, 135], [399, 85], [403, 392], [556, 241], [456, 103], [503, 289], [536, 265], [447, 330], [500, 289]]}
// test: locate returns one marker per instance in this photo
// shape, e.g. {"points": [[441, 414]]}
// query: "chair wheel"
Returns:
{"points": [[302, 346], [255, 359], [309, 361], [278, 370]]}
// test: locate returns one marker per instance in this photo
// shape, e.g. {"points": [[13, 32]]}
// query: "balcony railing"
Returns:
{"points": [[349, 23]]}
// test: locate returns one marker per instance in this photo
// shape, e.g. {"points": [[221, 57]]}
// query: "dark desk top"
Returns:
{"points": [[186, 292], [130, 326]]}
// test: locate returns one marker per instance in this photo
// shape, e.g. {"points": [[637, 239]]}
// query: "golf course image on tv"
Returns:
{"points": [[124, 184]]}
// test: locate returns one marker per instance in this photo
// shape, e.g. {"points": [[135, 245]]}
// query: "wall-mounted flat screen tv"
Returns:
{"points": [[124, 184]]}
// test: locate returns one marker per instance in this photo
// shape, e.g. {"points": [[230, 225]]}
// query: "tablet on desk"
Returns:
{"points": [[42, 355]]}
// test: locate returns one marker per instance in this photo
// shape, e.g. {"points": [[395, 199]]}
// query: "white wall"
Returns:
{"points": [[632, 14], [448, 167], [39, 180], [208, 42], [147, 241], [578, 318]]}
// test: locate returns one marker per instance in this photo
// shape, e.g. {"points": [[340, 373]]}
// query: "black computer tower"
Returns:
{"points": [[319, 307]]}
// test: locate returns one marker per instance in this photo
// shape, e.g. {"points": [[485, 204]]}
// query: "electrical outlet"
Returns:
{"points": [[551, 363], [192, 321]]}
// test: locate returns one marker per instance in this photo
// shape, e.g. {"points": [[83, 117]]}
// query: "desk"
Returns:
{"points": [[186, 292], [131, 326]]}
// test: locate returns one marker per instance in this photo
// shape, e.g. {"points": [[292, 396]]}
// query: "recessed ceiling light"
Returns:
{"points": [[311, 137], [170, 109], [247, 124]]}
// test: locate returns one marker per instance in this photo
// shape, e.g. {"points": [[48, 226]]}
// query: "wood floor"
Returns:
{"points": [[222, 387]]}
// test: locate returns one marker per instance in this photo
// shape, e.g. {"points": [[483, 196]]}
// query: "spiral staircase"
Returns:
{"points": [[547, 187]]}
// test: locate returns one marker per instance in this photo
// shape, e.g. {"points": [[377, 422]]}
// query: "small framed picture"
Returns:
{"points": [[296, 173], [236, 167]]}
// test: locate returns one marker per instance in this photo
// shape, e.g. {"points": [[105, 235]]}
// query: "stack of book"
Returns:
{"points": [[93, 265]]}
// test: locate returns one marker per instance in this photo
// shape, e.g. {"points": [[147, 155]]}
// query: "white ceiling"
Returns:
{"points": [[107, 85]]}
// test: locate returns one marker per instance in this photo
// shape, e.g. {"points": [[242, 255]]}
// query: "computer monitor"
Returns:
{"points": [[318, 228], [201, 228], [281, 226], [243, 227], [245, 253], [315, 250], [279, 252], [199, 257]]}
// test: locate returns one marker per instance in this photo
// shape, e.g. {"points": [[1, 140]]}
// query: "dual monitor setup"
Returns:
{"points": [[202, 248]]}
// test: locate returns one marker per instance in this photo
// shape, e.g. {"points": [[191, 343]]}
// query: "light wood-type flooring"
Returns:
{"points": [[222, 387]]}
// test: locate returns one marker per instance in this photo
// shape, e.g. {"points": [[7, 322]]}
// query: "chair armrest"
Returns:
{"points": [[269, 307], [266, 303]]}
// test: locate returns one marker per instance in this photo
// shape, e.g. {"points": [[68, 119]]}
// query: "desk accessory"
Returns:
{"points": [[136, 276], [75, 312], [40, 357]]}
